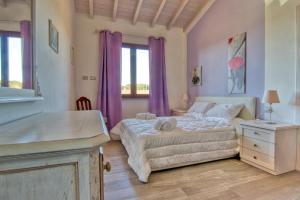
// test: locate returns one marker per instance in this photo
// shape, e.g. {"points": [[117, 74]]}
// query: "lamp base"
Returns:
{"points": [[270, 111]]}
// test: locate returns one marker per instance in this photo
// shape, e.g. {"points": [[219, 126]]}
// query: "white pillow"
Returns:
{"points": [[198, 116], [201, 107], [226, 111]]}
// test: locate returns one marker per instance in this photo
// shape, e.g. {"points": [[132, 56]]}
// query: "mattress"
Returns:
{"points": [[193, 141]]}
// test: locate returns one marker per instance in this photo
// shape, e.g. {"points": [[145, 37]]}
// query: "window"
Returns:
{"points": [[11, 60], [135, 71]]}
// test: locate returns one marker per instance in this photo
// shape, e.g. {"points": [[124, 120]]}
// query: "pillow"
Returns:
{"points": [[198, 116], [201, 107], [226, 111]]}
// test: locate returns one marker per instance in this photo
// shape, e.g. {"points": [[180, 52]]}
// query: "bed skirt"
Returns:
{"points": [[172, 156]]}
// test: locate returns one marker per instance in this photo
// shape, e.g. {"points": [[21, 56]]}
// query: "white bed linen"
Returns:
{"points": [[193, 141]]}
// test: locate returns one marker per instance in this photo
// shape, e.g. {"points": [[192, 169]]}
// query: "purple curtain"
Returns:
{"points": [[27, 55], [158, 98], [109, 91]]}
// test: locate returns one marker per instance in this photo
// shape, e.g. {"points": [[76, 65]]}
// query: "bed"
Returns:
{"points": [[193, 141]]}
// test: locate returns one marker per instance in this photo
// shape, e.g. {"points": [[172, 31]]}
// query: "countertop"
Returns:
{"points": [[49, 132], [265, 125]]}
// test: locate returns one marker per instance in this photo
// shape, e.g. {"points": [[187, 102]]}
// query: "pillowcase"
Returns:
{"points": [[225, 111], [201, 107], [198, 116]]}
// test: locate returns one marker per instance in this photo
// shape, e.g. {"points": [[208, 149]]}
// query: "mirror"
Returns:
{"points": [[282, 69], [16, 41]]}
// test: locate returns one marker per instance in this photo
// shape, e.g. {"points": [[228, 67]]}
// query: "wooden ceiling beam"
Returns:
{"points": [[158, 12], [137, 11], [115, 10], [178, 12], [91, 8], [199, 16], [3, 3]]}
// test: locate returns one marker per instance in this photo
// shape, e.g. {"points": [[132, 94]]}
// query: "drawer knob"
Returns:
{"points": [[255, 157], [107, 167], [255, 145]]}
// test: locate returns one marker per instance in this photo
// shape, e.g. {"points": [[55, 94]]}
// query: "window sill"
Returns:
{"points": [[135, 97], [4, 100]]}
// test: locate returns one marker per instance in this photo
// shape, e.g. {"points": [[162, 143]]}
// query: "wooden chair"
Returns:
{"points": [[83, 103]]}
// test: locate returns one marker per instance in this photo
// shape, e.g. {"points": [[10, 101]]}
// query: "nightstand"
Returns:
{"points": [[270, 147], [178, 111]]}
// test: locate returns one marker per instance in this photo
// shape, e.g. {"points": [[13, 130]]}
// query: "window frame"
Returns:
{"points": [[4, 35], [133, 69]]}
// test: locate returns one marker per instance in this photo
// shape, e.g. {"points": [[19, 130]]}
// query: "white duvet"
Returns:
{"points": [[194, 140]]}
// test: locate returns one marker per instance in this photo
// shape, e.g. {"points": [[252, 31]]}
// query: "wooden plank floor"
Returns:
{"points": [[226, 180]]}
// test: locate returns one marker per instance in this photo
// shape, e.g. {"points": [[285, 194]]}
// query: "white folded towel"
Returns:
{"points": [[166, 125], [158, 124], [145, 116]]}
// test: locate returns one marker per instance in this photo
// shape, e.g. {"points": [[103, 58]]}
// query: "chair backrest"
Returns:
{"points": [[83, 103]]}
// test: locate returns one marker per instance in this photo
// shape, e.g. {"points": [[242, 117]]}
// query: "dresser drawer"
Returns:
{"points": [[259, 146], [258, 158], [259, 135]]}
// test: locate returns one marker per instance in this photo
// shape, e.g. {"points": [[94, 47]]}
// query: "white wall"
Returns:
{"points": [[55, 73], [282, 68], [14, 12], [87, 57]]}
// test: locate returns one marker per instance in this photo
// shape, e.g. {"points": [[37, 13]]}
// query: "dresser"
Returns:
{"points": [[53, 156], [270, 147]]}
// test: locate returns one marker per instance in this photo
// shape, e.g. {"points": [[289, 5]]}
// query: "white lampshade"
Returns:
{"points": [[271, 96]]}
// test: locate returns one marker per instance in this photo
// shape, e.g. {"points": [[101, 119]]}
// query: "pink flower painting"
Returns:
{"points": [[237, 64]]}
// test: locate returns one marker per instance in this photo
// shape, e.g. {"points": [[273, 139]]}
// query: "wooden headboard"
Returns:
{"points": [[247, 113]]}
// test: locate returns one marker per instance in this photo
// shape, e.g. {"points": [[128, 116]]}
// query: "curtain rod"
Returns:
{"points": [[130, 35]]}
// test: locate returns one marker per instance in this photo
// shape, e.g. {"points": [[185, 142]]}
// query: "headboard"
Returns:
{"points": [[248, 112]]}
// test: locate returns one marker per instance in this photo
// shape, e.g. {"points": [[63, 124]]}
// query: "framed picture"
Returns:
{"points": [[53, 37], [197, 76], [237, 64]]}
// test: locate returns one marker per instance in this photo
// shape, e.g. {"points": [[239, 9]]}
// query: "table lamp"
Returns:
{"points": [[270, 97]]}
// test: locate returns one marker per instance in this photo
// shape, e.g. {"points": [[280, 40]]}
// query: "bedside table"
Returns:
{"points": [[270, 147], [178, 111]]}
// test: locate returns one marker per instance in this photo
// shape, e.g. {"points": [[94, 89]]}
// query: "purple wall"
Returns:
{"points": [[207, 46]]}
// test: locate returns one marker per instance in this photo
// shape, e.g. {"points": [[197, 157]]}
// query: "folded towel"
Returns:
{"points": [[158, 124], [145, 116], [166, 125]]}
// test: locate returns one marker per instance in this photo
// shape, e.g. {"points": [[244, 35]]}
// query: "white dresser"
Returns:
{"points": [[53, 156], [270, 147]]}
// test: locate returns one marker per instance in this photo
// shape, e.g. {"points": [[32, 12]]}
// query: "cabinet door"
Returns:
{"points": [[59, 182]]}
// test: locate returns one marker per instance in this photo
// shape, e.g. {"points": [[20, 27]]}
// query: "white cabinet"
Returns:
{"points": [[53, 157], [270, 147], [58, 176]]}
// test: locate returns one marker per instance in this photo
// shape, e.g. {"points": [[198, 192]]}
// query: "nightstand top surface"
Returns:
{"points": [[264, 125], [179, 110]]}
